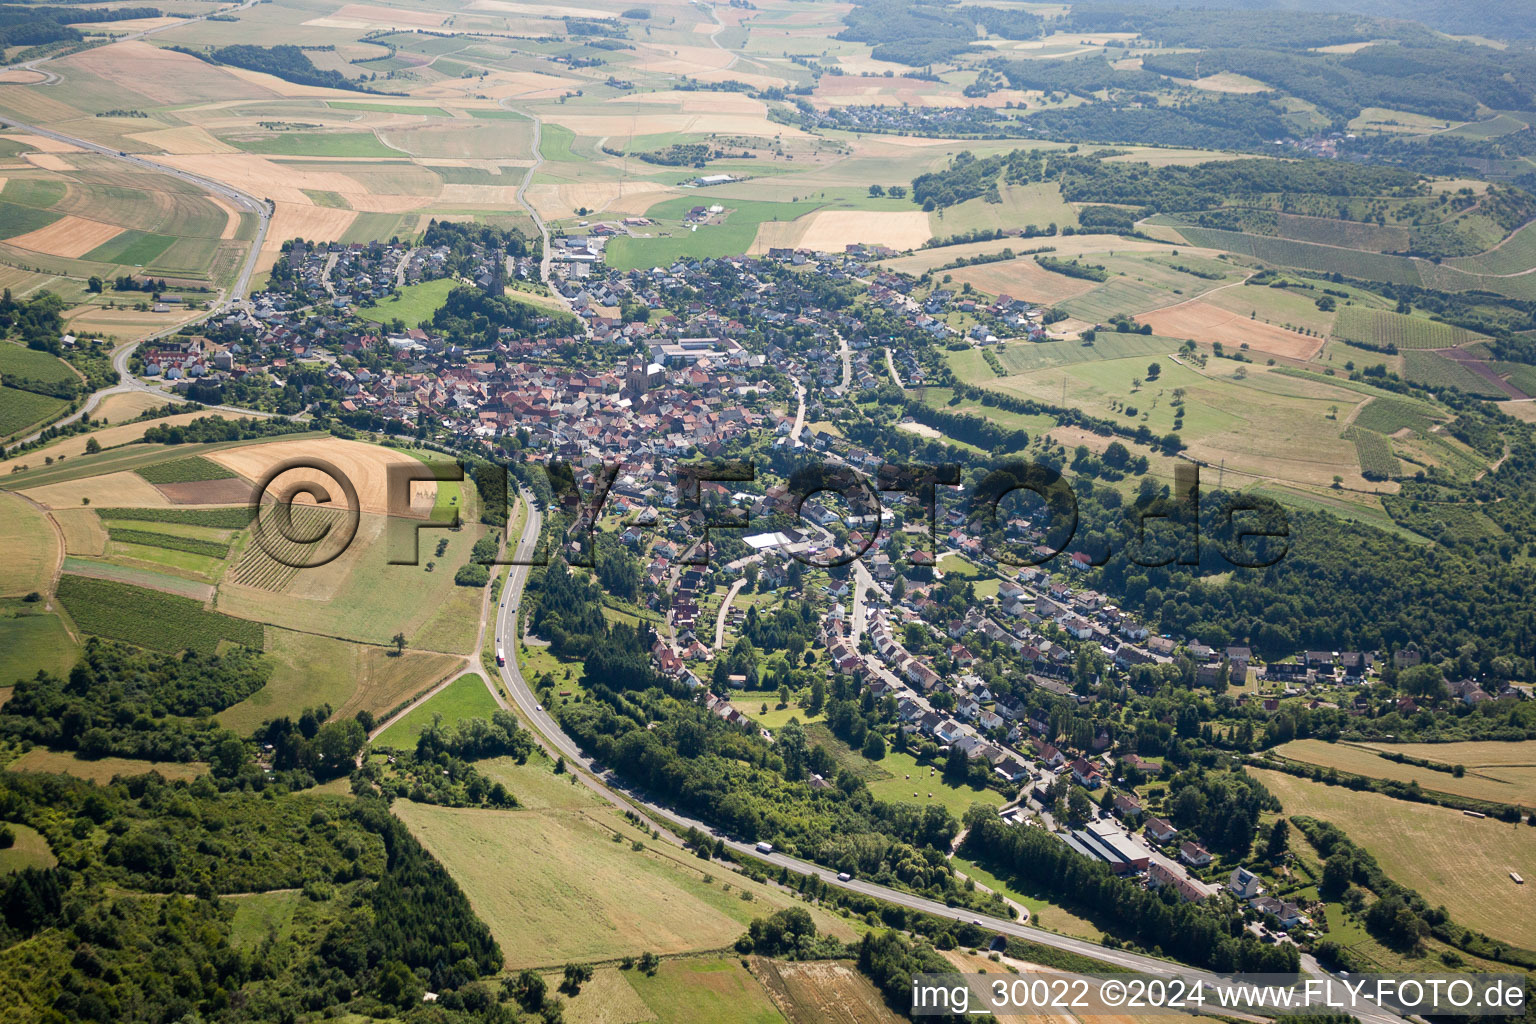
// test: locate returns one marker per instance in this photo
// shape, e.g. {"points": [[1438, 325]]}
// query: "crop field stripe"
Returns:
{"points": [[151, 618], [21, 409], [1374, 452], [237, 517], [1309, 256], [191, 469], [191, 545], [260, 570], [1514, 255], [1383, 327], [1430, 369], [18, 220], [131, 249], [1389, 415]]}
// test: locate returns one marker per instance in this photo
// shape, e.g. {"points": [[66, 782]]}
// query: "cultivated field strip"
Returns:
{"points": [[1381, 328], [262, 571]]}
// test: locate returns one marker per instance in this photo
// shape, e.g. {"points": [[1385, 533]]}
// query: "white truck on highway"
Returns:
{"points": [[764, 847]]}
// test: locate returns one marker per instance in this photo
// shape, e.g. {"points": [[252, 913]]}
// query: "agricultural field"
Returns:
{"points": [[311, 670], [1376, 459], [22, 409], [1514, 255], [1038, 204], [830, 991], [192, 469], [580, 895], [1307, 256], [735, 232], [465, 697], [1459, 862], [1512, 781], [150, 618], [271, 561], [1259, 422], [17, 361], [1387, 415], [1433, 370], [720, 991], [31, 544], [1382, 328], [31, 639]]}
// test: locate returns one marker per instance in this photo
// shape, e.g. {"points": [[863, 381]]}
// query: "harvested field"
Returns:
{"points": [[68, 237], [31, 547], [317, 223], [49, 161], [364, 464], [629, 198], [120, 407], [184, 139], [1210, 324], [83, 532], [1478, 754], [108, 489], [831, 230], [1449, 858], [207, 492], [606, 999], [719, 991], [43, 144], [1022, 278], [1505, 783], [578, 895], [110, 437], [102, 770], [135, 68], [822, 992]]}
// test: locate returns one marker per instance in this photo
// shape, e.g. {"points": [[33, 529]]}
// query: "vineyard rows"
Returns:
{"points": [[1381, 328], [151, 618], [268, 571]]}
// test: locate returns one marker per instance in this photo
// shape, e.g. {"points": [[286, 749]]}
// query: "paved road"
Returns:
{"points": [[242, 200], [674, 821], [794, 433], [890, 364], [522, 190], [725, 609]]}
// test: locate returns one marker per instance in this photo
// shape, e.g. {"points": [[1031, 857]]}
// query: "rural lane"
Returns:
{"points": [[725, 609], [625, 798]]}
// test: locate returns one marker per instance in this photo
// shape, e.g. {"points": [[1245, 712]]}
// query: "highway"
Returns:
{"points": [[673, 822]]}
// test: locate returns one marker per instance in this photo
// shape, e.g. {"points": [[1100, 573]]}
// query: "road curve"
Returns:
{"points": [[244, 200], [613, 790], [547, 257]]}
